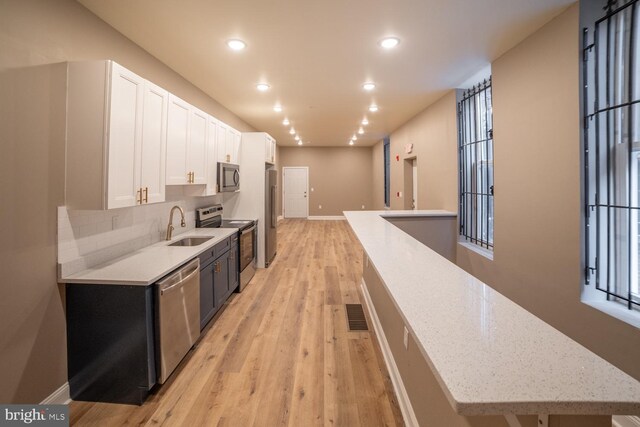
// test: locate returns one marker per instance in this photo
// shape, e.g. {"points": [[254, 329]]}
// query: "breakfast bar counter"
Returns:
{"points": [[488, 355]]}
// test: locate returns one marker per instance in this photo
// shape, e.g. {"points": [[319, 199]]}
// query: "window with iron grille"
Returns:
{"points": [[611, 107], [475, 137], [387, 166]]}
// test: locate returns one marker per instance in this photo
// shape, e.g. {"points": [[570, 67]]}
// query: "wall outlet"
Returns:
{"points": [[311, 189], [362, 206], [319, 206], [405, 338]]}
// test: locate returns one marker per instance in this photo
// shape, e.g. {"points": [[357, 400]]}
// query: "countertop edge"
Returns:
{"points": [[194, 251]]}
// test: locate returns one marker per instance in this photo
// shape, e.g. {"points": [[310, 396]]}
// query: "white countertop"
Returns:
{"points": [[145, 266], [489, 355]]}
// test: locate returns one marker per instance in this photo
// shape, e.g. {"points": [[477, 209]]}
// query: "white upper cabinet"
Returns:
{"points": [[228, 150], [233, 146], [212, 163], [154, 144], [116, 126], [186, 143], [197, 147], [221, 148], [270, 150], [177, 139]]}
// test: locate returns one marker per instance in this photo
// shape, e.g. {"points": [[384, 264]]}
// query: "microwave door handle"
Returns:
{"points": [[236, 177]]}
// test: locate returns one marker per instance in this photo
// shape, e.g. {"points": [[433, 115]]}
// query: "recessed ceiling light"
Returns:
{"points": [[236, 44], [277, 108], [292, 131], [285, 122], [360, 131], [297, 138], [299, 142], [373, 108], [389, 42], [368, 86], [350, 142], [354, 138], [365, 122], [262, 87]]}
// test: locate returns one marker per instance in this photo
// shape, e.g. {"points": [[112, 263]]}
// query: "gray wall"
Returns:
{"points": [[340, 177], [35, 35], [537, 259], [536, 113]]}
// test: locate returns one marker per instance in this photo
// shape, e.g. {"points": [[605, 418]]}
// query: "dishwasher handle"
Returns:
{"points": [[179, 278]]}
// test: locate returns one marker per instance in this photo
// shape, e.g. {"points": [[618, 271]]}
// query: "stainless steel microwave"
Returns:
{"points": [[228, 177]]}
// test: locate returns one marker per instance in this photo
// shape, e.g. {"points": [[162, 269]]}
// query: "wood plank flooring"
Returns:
{"points": [[280, 353]]}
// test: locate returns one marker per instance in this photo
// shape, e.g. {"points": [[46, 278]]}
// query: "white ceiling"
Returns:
{"points": [[316, 54]]}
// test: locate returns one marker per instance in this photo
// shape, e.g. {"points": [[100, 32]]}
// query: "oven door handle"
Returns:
{"points": [[248, 230]]}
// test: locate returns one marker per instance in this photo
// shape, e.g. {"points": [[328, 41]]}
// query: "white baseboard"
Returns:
{"points": [[398, 386], [626, 421], [280, 218], [59, 397], [326, 218]]}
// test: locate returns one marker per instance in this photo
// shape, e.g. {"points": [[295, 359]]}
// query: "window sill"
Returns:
{"points": [[617, 310], [477, 249]]}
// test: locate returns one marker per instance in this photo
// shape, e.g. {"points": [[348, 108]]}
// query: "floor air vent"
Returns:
{"points": [[355, 316]]}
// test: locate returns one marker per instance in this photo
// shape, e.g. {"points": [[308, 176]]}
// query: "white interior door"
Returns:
{"points": [[414, 205], [295, 188]]}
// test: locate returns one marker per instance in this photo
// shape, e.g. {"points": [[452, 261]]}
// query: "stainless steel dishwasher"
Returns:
{"points": [[177, 316]]}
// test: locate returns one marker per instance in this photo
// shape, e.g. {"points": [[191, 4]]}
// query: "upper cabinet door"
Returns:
{"points": [[270, 150], [177, 140], [154, 144], [222, 143], [197, 148], [125, 133], [212, 153], [235, 153]]}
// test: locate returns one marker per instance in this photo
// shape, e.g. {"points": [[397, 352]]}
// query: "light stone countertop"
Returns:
{"points": [[145, 266], [489, 355]]}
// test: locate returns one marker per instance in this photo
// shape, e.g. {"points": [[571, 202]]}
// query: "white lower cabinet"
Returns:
{"points": [[116, 137]]}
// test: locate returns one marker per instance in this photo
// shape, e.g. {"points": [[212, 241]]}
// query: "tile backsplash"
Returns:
{"points": [[90, 238]]}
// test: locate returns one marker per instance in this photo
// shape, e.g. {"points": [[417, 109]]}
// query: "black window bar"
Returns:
{"points": [[611, 108], [475, 156]]}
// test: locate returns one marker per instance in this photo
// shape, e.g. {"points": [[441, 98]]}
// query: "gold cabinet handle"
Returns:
{"points": [[217, 267], [139, 196], [146, 194]]}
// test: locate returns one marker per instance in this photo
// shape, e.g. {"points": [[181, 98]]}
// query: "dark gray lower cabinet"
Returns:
{"points": [[207, 302], [110, 342], [234, 264], [219, 277]]}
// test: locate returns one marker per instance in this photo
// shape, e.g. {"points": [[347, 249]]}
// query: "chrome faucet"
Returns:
{"points": [[170, 226]]}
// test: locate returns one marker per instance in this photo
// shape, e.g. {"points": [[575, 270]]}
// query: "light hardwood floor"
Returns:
{"points": [[280, 353]]}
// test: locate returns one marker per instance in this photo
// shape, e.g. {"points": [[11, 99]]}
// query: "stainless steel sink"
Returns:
{"points": [[191, 241]]}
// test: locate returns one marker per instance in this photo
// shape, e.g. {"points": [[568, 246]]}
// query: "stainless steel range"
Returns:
{"points": [[211, 217]]}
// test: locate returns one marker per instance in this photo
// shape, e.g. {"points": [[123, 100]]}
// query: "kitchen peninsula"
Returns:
{"points": [[474, 356]]}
